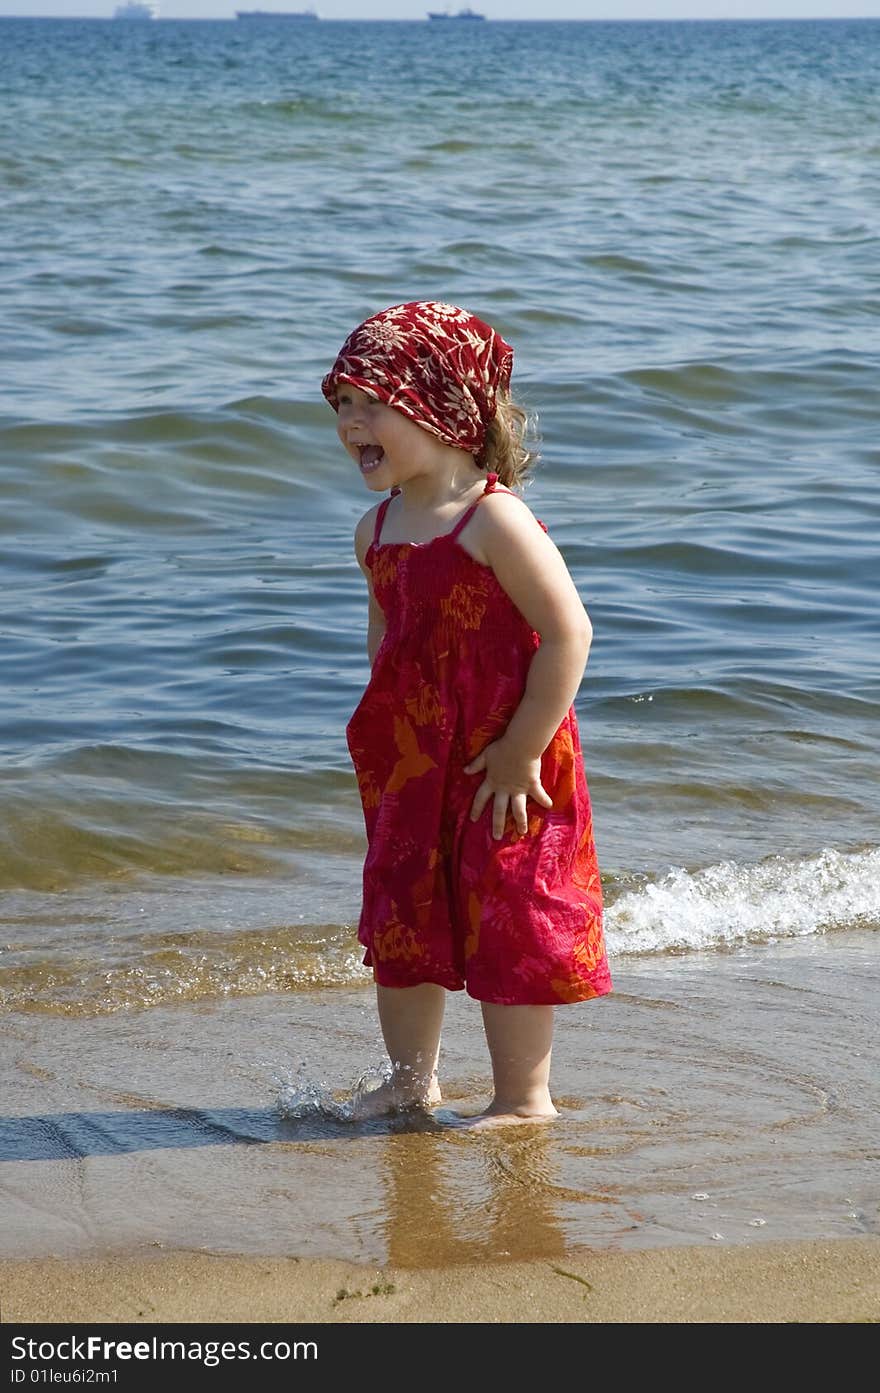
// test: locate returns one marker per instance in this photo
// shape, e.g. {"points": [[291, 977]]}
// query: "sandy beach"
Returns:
{"points": [[763, 1283]]}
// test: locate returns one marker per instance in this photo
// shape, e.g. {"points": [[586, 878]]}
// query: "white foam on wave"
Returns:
{"points": [[727, 903]]}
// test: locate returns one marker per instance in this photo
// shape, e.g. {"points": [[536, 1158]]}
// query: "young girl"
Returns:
{"points": [[481, 869]]}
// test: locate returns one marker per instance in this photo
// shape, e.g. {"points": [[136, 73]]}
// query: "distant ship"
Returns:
{"points": [[136, 11], [276, 14], [460, 14]]}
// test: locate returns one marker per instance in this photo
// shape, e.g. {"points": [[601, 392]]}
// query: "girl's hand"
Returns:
{"points": [[510, 780]]}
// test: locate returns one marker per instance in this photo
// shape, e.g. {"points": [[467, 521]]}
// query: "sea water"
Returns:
{"points": [[674, 224]]}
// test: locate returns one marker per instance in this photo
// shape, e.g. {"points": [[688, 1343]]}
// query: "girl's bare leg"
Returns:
{"points": [[520, 1039], [411, 1019]]}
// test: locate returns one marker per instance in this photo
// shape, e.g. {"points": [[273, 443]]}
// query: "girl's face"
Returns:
{"points": [[388, 447]]}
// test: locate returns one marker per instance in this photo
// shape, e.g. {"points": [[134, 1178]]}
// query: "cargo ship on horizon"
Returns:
{"points": [[458, 14], [136, 11]]}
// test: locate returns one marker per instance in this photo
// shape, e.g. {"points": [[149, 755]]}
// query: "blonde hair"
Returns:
{"points": [[511, 448]]}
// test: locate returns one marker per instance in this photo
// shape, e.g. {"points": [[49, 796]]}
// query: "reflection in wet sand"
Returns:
{"points": [[461, 1197]]}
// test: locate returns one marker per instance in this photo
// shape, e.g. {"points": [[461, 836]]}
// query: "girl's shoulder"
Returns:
{"points": [[501, 502], [503, 520], [365, 531]]}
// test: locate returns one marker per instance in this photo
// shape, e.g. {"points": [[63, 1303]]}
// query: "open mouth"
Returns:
{"points": [[371, 457]]}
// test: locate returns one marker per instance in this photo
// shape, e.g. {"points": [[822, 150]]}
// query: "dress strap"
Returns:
{"points": [[466, 516], [380, 516]]}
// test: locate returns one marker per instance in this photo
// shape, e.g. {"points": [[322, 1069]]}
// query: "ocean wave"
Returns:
{"points": [[727, 904]]}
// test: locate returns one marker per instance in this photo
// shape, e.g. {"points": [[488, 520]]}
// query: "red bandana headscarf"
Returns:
{"points": [[438, 364]]}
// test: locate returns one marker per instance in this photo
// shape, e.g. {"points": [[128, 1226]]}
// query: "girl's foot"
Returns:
{"points": [[495, 1116], [392, 1097]]}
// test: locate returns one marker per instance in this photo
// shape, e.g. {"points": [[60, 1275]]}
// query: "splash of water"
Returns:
{"points": [[301, 1099]]}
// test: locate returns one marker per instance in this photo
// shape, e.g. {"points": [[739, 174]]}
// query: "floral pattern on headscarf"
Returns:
{"points": [[438, 364]]}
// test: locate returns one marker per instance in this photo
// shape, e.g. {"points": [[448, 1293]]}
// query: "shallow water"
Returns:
{"points": [[714, 1098]]}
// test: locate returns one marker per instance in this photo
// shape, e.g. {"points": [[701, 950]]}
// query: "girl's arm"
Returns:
{"points": [[530, 568], [363, 535]]}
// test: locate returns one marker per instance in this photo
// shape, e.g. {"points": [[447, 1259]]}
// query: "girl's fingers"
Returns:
{"points": [[542, 796], [501, 801], [499, 808], [481, 798]]}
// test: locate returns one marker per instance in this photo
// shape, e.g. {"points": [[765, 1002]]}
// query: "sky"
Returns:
{"points": [[493, 9]]}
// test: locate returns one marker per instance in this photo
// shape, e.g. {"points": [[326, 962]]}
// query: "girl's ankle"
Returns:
{"points": [[538, 1104]]}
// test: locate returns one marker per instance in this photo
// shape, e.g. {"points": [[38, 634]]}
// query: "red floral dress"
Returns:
{"points": [[514, 921]]}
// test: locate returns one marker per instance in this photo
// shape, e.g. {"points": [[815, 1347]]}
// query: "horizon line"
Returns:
{"points": [[389, 19]]}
